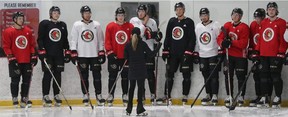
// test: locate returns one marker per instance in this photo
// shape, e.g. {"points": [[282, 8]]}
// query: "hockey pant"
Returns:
{"points": [[25, 69], [206, 67], [270, 68], [113, 72], [56, 65], [95, 67], [240, 66], [171, 68]]}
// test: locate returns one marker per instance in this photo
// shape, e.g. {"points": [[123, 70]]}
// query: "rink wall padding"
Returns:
{"points": [[72, 91]]}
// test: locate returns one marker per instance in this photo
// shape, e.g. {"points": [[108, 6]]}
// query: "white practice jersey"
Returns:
{"points": [[151, 23], [206, 39], [87, 39]]}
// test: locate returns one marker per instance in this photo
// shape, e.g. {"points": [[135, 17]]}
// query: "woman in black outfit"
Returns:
{"points": [[135, 52]]}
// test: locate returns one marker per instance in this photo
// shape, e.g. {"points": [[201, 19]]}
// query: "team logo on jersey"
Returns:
{"points": [[256, 38], [21, 42], [233, 36], [87, 35], [268, 34], [55, 34], [177, 33], [205, 38], [121, 37]]}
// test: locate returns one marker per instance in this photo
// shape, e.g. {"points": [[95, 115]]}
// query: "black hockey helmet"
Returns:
{"points": [[259, 12], [142, 7], [119, 10], [17, 14], [54, 8], [85, 9], [204, 11], [237, 10], [272, 4], [179, 4]]}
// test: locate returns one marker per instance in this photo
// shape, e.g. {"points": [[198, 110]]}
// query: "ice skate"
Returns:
{"points": [[253, 103], [15, 102], [205, 101], [227, 101], [57, 100], [214, 100], [276, 102], [100, 100], [125, 100], [85, 100], [25, 102], [184, 99], [264, 102], [110, 100], [152, 99], [240, 101], [46, 101]]}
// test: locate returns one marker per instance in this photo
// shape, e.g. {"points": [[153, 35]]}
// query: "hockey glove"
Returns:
{"points": [[147, 33], [286, 59], [42, 54], [196, 57], [101, 57], [226, 43], [14, 70], [159, 36], [221, 55], [188, 56], [74, 56], [34, 59], [255, 56], [165, 54], [250, 50], [67, 56]]}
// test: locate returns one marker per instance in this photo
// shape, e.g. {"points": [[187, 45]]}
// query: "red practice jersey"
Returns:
{"points": [[254, 34], [239, 35], [19, 42], [116, 37], [271, 39]]}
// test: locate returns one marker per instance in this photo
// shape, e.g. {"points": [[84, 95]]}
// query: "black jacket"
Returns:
{"points": [[136, 59]]}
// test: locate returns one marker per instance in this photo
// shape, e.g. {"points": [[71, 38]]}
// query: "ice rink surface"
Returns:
{"points": [[153, 111]]}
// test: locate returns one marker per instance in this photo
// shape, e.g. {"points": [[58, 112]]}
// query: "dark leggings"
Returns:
{"points": [[140, 84]]}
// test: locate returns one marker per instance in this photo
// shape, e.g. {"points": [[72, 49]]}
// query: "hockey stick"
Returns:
{"points": [[61, 91], [233, 106], [26, 107], [83, 83], [167, 83], [227, 66], [118, 76], [209, 77]]}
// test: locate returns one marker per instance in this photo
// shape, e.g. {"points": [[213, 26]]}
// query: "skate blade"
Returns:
{"points": [[110, 104], [214, 103], [263, 106], [85, 104], [205, 103], [276, 106], [252, 105], [240, 105], [47, 105], [142, 114], [57, 104], [100, 104]]}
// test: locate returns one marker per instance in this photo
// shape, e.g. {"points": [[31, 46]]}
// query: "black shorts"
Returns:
{"points": [[54, 62], [84, 64]]}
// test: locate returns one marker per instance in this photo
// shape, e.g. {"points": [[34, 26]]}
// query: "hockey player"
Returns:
{"points": [[54, 49], [178, 49], [150, 35], [271, 48], [136, 51], [87, 49], [117, 35], [236, 42], [19, 46], [255, 26], [206, 35]]}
